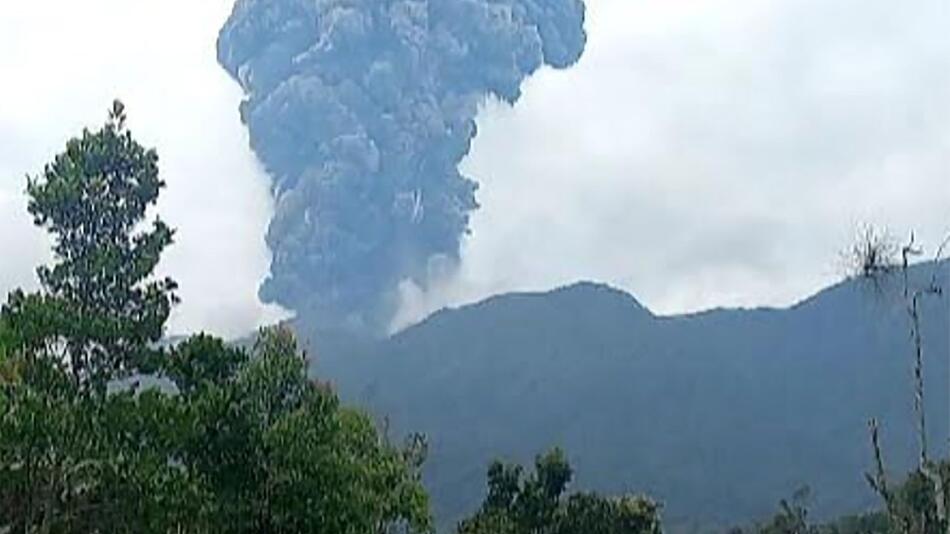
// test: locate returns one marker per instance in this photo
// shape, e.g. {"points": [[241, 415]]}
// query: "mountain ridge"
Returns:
{"points": [[719, 414], [593, 286]]}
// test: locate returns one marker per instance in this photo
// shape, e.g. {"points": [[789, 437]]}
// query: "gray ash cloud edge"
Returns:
{"points": [[361, 111]]}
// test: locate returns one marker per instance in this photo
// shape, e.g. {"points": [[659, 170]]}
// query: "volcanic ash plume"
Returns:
{"points": [[361, 111]]}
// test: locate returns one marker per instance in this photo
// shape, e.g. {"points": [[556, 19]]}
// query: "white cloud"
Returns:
{"points": [[66, 61], [714, 153]]}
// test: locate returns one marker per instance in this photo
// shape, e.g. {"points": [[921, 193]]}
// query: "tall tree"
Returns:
{"points": [[100, 309]]}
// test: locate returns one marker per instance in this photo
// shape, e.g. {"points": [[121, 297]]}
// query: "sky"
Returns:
{"points": [[65, 63], [702, 153]]}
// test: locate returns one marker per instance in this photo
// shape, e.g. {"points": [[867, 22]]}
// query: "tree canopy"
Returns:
{"points": [[100, 309], [537, 503], [102, 429]]}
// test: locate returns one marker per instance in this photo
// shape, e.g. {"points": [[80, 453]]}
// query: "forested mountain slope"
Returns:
{"points": [[718, 414]]}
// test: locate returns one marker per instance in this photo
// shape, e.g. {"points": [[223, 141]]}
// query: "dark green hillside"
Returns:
{"points": [[719, 414]]}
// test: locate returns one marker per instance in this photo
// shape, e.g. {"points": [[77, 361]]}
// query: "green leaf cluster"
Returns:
{"points": [[101, 310], [537, 504]]}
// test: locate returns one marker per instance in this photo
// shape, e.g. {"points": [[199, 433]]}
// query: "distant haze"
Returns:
{"points": [[700, 153]]}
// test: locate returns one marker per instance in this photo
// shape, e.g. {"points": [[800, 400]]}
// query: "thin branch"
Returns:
{"points": [[914, 311], [878, 480]]}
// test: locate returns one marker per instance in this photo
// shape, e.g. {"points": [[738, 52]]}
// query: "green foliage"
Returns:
{"points": [[201, 362], [516, 504], [913, 508], [591, 514], [913, 511], [230, 441], [72, 456], [81, 463], [100, 309], [249, 445], [279, 453], [8, 366]]}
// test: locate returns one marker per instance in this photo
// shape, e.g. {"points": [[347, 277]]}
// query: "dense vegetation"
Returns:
{"points": [[237, 441], [517, 504]]}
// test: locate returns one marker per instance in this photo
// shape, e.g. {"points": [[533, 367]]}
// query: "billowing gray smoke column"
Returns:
{"points": [[361, 111]]}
